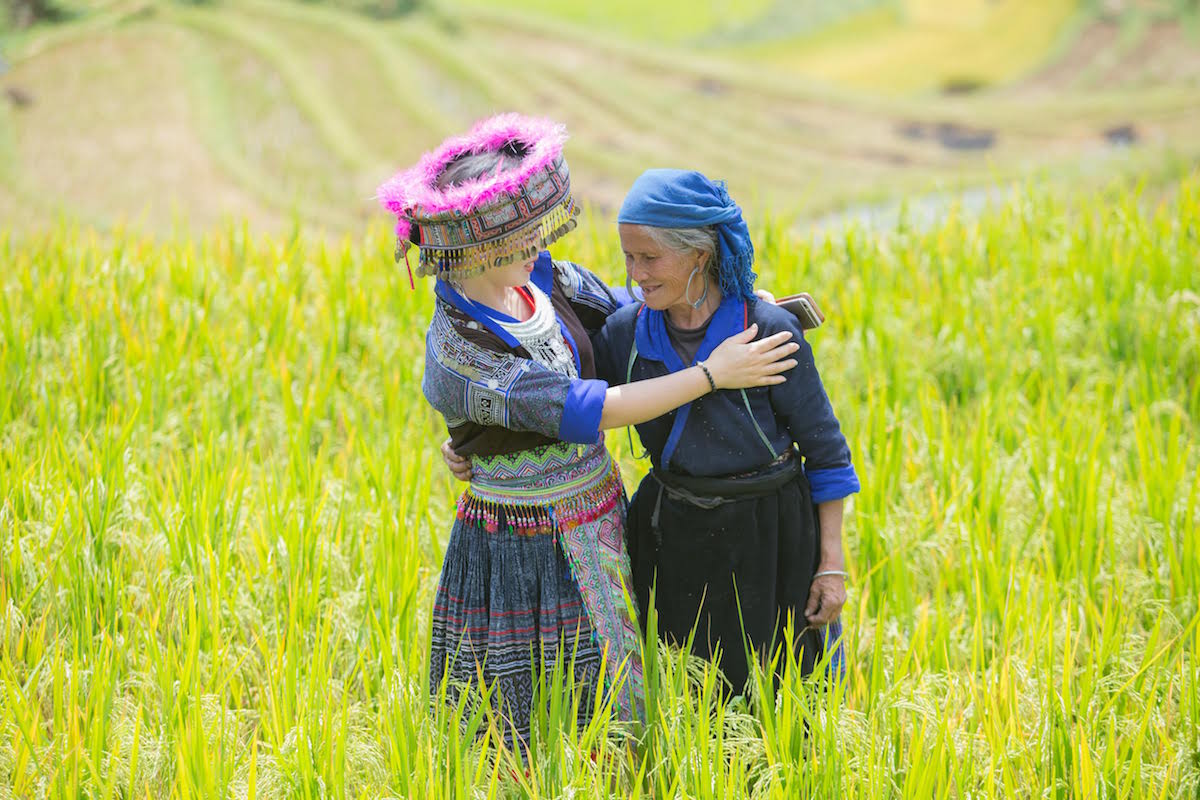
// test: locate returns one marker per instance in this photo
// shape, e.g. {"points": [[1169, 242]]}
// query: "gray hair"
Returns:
{"points": [[682, 240], [470, 166]]}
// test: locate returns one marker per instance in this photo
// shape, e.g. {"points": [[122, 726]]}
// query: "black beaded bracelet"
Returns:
{"points": [[712, 385]]}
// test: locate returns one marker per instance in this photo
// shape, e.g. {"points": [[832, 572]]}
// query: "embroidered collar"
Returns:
{"points": [[495, 321]]}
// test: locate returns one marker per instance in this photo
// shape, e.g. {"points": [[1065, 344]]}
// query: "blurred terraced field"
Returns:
{"points": [[277, 112]]}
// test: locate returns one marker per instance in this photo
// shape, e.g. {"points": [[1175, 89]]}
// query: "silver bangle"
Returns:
{"points": [[825, 572]]}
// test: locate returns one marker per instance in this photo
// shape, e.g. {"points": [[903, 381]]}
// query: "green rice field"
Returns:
{"points": [[222, 512]]}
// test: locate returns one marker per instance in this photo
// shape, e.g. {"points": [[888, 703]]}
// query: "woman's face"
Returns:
{"points": [[660, 272]]}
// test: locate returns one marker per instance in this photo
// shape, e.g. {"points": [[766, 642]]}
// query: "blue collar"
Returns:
{"points": [[653, 343], [650, 336], [490, 318], [542, 277]]}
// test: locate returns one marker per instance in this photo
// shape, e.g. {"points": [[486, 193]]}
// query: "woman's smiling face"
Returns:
{"points": [[660, 272]]}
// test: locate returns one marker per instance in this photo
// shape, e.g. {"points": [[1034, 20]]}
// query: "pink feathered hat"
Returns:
{"points": [[463, 229]]}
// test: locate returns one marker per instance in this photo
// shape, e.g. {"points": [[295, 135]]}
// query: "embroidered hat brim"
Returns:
{"points": [[512, 214]]}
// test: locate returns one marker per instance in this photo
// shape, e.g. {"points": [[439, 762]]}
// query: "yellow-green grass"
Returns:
{"points": [[670, 21], [222, 512], [922, 45]]}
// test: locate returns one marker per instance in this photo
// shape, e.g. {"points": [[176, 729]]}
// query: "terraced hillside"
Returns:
{"points": [[275, 111]]}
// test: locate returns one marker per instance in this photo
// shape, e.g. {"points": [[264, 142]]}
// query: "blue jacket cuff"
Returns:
{"points": [[581, 413], [832, 484]]}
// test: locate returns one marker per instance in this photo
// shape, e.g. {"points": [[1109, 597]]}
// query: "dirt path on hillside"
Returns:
{"points": [[1065, 71]]}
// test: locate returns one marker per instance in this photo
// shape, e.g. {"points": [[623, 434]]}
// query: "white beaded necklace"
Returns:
{"points": [[540, 335]]}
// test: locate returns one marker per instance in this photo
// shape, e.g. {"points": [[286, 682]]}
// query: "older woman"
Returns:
{"points": [[737, 527], [535, 567]]}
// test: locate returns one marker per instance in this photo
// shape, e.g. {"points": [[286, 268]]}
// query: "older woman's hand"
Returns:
{"points": [[825, 599], [459, 467]]}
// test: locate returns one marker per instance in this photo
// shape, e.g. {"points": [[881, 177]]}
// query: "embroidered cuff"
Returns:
{"points": [[581, 413], [832, 484]]}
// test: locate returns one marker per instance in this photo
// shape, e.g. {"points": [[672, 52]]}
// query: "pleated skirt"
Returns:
{"points": [[733, 574], [508, 612]]}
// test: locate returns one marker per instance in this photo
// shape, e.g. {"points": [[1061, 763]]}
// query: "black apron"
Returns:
{"points": [[728, 556]]}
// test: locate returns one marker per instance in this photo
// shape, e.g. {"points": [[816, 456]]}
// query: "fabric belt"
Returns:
{"points": [[710, 492]]}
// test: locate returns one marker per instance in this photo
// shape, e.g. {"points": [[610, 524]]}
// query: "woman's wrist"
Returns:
{"points": [[832, 556], [708, 376], [838, 573]]}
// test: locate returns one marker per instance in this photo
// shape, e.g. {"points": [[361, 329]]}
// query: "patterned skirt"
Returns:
{"points": [[536, 572]]}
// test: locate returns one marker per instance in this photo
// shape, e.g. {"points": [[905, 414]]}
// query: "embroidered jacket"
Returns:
{"points": [[496, 398]]}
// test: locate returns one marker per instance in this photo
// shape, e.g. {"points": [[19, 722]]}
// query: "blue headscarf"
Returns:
{"points": [[676, 198]]}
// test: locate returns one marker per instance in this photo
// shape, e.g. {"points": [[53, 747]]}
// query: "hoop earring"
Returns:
{"points": [[687, 293], [629, 284]]}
